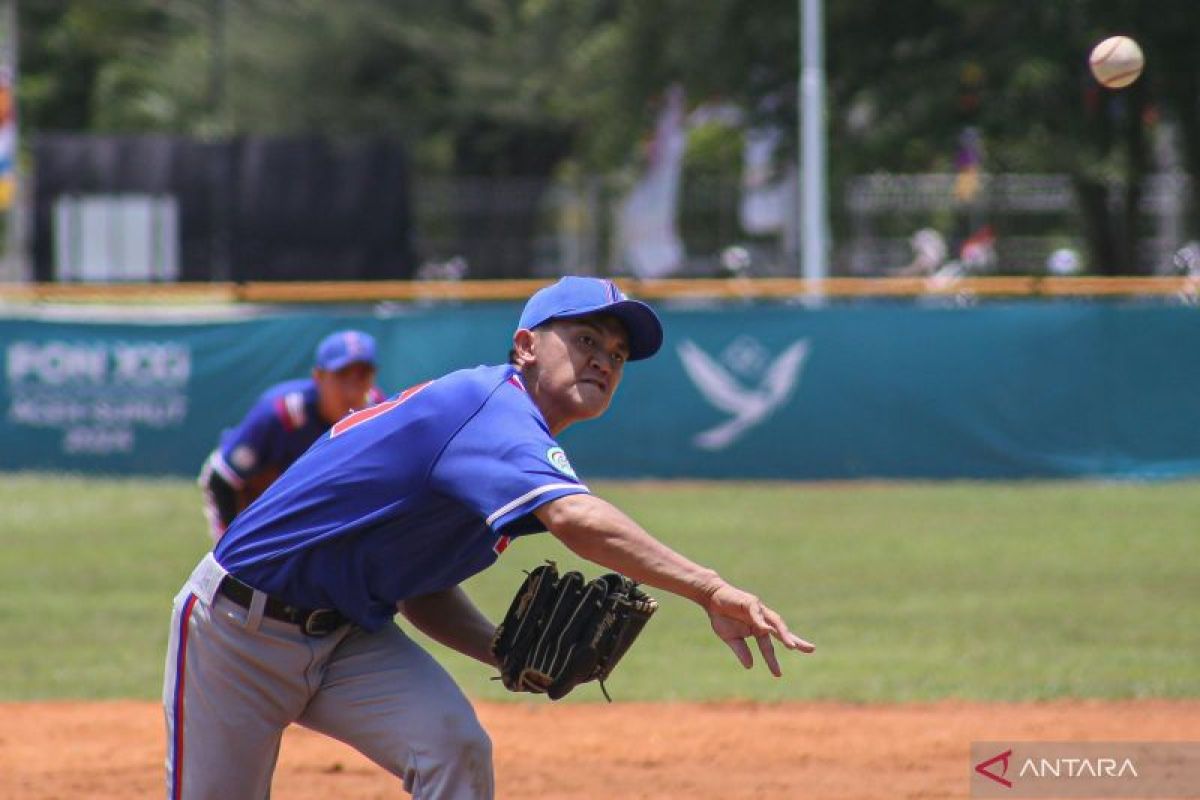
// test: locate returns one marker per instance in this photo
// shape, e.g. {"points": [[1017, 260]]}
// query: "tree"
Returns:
{"points": [[905, 78], [84, 66], [1035, 102]]}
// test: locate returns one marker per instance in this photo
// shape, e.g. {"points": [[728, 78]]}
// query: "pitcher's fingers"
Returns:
{"points": [[777, 626], [739, 648], [768, 651], [758, 618], [790, 640], [800, 644]]}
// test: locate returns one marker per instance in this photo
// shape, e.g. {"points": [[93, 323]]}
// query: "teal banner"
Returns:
{"points": [[762, 390]]}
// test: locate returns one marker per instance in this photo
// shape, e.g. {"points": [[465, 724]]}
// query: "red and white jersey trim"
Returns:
{"points": [[294, 402]]}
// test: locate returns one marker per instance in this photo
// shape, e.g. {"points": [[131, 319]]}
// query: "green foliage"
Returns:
{"points": [[911, 592], [84, 64], [911, 76], [417, 68], [482, 75], [714, 148]]}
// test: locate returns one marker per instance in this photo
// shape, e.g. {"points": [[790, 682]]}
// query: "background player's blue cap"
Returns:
{"points": [[575, 296], [343, 348]]}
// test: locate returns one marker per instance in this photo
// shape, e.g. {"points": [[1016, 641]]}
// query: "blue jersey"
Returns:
{"points": [[283, 423], [407, 497]]}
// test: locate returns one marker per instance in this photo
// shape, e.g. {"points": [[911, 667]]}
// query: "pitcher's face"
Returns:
{"points": [[575, 367]]}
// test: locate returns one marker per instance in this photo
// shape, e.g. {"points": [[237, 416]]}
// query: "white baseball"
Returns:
{"points": [[1116, 62]]}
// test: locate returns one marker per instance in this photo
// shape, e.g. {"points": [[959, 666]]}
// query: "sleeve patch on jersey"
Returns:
{"points": [[243, 458], [558, 460]]}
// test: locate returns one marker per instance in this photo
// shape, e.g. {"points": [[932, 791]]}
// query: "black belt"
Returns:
{"points": [[317, 622]]}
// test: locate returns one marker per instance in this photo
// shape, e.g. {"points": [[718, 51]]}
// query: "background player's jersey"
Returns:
{"points": [[408, 497], [283, 423]]}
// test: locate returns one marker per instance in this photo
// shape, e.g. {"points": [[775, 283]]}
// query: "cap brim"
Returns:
{"points": [[342, 363], [641, 323]]}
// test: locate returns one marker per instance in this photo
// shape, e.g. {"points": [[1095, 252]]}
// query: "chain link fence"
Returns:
{"points": [[471, 227], [309, 211]]}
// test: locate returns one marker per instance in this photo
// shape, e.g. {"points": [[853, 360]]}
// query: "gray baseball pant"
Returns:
{"points": [[235, 680]]}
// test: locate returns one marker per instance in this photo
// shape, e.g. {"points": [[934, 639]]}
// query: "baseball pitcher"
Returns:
{"points": [[291, 618]]}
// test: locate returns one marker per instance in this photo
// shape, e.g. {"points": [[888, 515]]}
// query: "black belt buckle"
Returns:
{"points": [[321, 622]]}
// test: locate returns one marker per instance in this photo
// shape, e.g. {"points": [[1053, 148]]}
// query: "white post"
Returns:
{"points": [[814, 214]]}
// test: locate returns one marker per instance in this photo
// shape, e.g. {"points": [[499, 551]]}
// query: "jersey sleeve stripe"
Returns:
{"points": [[525, 498], [295, 409], [221, 467]]}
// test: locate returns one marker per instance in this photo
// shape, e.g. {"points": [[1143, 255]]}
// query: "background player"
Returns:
{"points": [[284, 422], [290, 619]]}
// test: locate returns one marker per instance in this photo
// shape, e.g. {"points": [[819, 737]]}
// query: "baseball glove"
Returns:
{"points": [[561, 631]]}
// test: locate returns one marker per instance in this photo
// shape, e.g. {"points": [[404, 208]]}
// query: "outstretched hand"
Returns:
{"points": [[737, 615]]}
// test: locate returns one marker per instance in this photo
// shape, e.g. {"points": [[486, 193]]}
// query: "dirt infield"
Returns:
{"points": [[766, 752]]}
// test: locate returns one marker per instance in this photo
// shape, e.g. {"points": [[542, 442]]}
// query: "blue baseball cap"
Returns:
{"points": [[576, 296], [343, 348]]}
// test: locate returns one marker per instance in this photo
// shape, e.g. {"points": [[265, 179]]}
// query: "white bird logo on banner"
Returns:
{"points": [[749, 407]]}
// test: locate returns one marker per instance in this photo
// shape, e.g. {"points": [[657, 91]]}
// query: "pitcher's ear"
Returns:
{"points": [[523, 349]]}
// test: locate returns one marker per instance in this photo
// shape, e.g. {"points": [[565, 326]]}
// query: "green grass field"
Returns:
{"points": [[1000, 591]]}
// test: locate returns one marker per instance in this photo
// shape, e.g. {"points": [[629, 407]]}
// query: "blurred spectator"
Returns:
{"points": [[1187, 259], [1063, 262], [929, 252], [736, 260], [968, 166], [978, 252], [452, 269]]}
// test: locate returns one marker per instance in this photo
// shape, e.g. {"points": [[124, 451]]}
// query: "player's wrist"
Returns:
{"points": [[707, 584]]}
